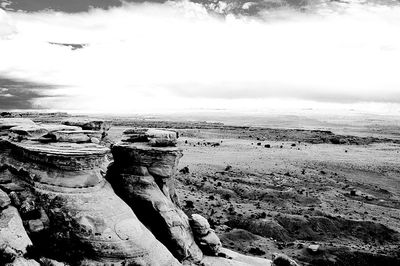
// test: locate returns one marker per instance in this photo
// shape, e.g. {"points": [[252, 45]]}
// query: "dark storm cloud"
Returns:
{"points": [[237, 7], [20, 94]]}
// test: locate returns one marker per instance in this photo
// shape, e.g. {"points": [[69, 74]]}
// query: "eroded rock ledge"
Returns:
{"points": [[57, 208]]}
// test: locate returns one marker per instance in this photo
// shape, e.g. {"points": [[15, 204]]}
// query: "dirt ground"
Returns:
{"points": [[322, 204]]}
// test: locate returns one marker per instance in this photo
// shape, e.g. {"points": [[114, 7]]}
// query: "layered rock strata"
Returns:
{"points": [[69, 210], [142, 174]]}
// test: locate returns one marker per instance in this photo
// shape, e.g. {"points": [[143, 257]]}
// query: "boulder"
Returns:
{"points": [[12, 232], [208, 241]]}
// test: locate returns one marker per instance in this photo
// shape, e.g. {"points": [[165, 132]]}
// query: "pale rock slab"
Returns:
{"points": [[12, 232]]}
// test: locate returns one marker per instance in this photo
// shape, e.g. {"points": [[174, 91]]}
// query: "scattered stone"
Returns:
{"points": [[267, 146]]}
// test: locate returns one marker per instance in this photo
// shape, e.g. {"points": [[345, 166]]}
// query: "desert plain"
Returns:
{"points": [[323, 196]]}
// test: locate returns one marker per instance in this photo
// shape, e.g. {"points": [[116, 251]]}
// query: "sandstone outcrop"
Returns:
{"points": [[69, 210], [142, 175]]}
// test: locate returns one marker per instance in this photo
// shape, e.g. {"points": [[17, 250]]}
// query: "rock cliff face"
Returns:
{"points": [[56, 207], [141, 175]]}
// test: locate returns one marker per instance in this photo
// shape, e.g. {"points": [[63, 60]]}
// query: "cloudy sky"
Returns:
{"points": [[112, 57]]}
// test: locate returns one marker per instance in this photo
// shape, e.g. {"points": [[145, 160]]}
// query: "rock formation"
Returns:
{"points": [[69, 210], [142, 172], [56, 207]]}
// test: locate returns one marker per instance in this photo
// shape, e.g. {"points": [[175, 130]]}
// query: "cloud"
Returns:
{"points": [[21, 94], [7, 27], [178, 55]]}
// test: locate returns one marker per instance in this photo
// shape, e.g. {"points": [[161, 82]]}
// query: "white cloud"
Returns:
{"points": [[7, 27], [156, 57]]}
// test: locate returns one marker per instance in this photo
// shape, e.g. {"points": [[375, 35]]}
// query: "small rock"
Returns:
{"points": [[314, 248], [35, 226], [95, 140], [184, 170], [4, 200], [228, 168]]}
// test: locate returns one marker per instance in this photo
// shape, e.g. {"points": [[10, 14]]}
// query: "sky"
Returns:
{"points": [[175, 56]]}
